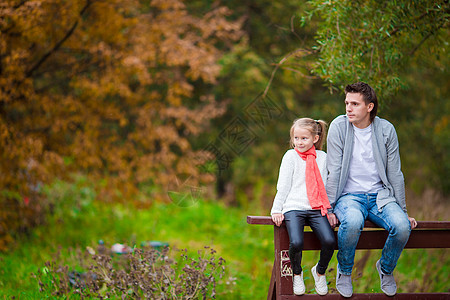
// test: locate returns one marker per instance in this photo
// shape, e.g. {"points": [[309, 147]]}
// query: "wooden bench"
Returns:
{"points": [[427, 234]]}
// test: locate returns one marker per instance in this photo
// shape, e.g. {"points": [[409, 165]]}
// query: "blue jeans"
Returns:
{"points": [[352, 210]]}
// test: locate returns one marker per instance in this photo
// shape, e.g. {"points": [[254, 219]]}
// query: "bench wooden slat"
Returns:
{"points": [[376, 239], [427, 234], [267, 220]]}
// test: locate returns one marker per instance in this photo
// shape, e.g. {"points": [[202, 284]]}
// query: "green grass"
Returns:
{"points": [[247, 249]]}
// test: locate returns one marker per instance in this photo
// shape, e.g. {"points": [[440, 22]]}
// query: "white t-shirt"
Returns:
{"points": [[363, 175]]}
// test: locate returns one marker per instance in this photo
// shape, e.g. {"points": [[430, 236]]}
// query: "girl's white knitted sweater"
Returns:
{"points": [[291, 186]]}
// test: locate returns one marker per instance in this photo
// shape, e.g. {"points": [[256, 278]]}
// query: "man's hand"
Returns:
{"points": [[413, 222], [278, 219], [333, 220]]}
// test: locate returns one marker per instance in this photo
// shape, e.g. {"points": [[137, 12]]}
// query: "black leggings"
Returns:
{"points": [[295, 221]]}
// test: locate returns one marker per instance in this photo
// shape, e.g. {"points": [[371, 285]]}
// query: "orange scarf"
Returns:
{"points": [[315, 189]]}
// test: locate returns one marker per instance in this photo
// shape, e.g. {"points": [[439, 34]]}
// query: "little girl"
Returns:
{"points": [[301, 199]]}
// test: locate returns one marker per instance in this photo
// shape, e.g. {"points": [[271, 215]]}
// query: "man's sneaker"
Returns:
{"points": [[299, 285], [344, 284], [388, 285], [320, 282]]}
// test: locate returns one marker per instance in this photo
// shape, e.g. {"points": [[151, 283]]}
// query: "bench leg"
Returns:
{"points": [[272, 295]]}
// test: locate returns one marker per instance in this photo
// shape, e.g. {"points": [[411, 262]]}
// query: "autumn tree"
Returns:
{"points": [[113, 89]]}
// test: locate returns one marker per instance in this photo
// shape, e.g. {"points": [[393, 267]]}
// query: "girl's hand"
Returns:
{"points": [[278, 219], [333, 220], [413, 222]]}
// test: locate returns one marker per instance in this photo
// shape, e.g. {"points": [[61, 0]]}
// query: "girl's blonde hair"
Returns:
{"points": [[316, 127]]}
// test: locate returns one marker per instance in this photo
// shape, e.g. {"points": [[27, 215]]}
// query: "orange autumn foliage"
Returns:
{"points": [[113, 89]]}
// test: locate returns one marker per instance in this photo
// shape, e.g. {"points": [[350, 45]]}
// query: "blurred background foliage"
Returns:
{"points": [[116, 116], [143, 98]]}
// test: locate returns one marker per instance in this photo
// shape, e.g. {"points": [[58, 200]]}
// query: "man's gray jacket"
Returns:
{"points": [[386, 155]]}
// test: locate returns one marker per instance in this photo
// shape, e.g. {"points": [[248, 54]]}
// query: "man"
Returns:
{"points": [[365, 181]]}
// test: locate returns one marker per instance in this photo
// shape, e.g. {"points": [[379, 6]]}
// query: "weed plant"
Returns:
{"points": [[141, 274]]}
